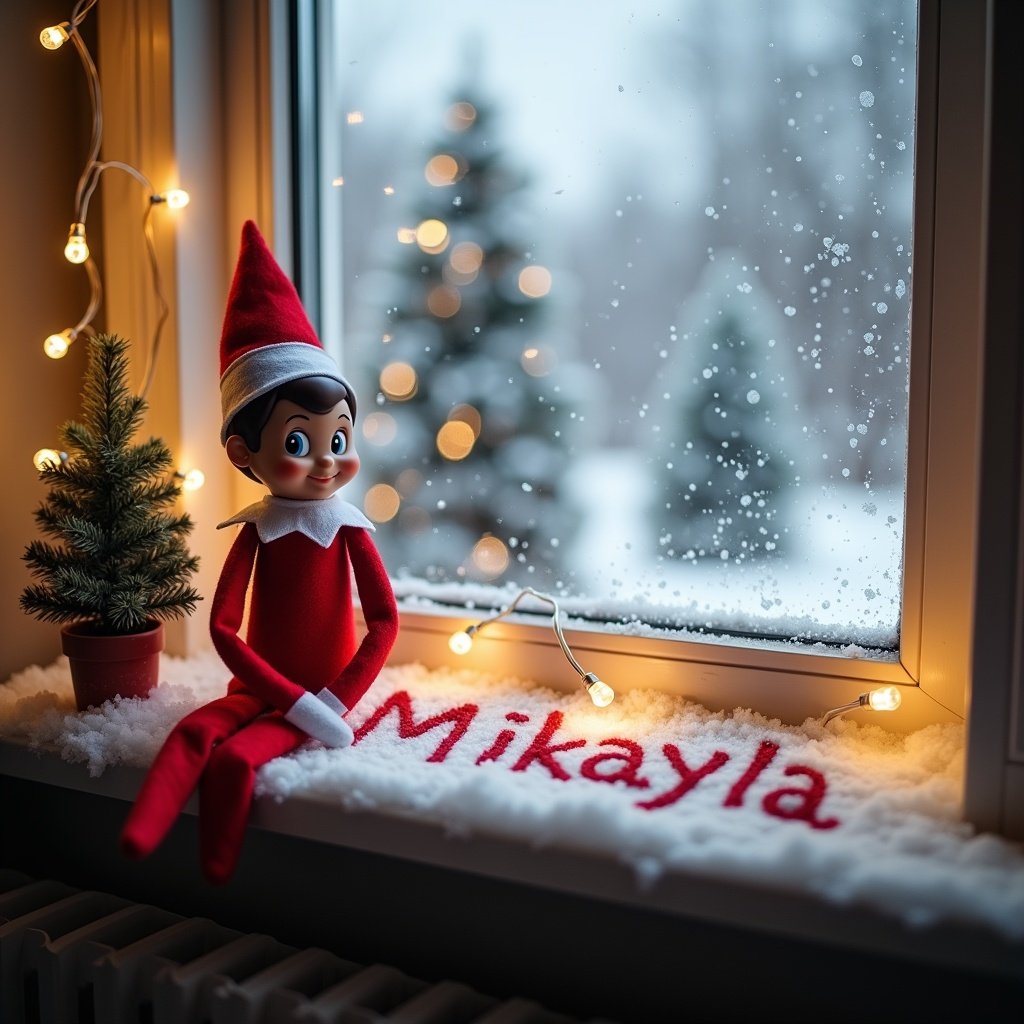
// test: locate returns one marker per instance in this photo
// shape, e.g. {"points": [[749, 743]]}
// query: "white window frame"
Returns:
{"points": [[226, 142]]}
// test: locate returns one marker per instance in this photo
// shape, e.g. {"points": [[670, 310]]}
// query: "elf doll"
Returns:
{"points": [[288, 422]]}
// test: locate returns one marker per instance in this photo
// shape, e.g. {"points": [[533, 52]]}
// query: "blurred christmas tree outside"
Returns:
{"points": [[723, 475], [471, 430]]}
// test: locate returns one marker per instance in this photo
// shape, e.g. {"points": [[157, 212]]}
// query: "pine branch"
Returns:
{"points": [[148, 459]]}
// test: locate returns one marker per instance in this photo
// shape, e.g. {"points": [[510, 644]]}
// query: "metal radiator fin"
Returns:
{"points": [[75, 957]]}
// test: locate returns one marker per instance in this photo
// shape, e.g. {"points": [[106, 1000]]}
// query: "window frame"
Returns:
{"points": [[794, 681]]}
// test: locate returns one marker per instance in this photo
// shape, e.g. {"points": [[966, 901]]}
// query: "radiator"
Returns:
{"points": [[74, 957]]}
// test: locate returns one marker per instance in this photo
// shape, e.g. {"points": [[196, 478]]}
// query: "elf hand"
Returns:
{"points": [[317, 719], [332, 702]]}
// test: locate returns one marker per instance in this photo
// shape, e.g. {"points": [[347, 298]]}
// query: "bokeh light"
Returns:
{"points": [[490, 557], [535, 281], [432, 236], [380, 428], [455, 440], [444, 169], [444, 301], [460, 116], [381, 503], [398, 381]]}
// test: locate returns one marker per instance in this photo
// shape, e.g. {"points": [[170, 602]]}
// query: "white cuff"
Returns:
{"points": [[319, 721], [332, 702]]}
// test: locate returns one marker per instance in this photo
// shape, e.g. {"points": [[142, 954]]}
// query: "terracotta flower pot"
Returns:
{"points": [[111, 666]]}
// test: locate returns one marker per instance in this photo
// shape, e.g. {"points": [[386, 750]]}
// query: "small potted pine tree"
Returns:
{"points": [[120, 564]]}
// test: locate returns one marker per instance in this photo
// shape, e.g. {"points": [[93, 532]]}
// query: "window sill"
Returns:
{"points": [[393, 812]]}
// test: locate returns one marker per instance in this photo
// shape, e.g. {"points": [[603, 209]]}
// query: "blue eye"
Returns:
{"points": [[297, 444], [339, 443]]}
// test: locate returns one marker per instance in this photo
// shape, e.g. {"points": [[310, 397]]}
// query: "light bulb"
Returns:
{"points": [[55, 36], [46, 457], [175, 198], [193, 479], [886, 698], [600, 692], [56, 345], [460, 642], [77, 249]]}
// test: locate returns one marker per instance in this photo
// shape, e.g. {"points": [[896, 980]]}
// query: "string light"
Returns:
{"points": [[56, 345], [191, 479], [55, 36], [76, 250], [461, 642], [48, 457], [175, 198], [884, 698]]}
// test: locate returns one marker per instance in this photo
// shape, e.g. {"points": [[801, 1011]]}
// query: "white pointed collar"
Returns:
{"points": [[319, 519]]}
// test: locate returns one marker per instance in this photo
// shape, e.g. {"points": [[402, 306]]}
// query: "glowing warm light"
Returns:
{"points": [[77, 249], [537, 362], [46, 457], [535, 281], [886, 698], [55, 36], [406, 235], [460, 116], [56, 345], [385, 338], [175, 198], [338, 181], [193, 479], [355, 117], [600, 693], [467, 414], [398, 381], [432, 236], [443, 169], [444, 301], [380, 428], [381, 503], [455, 440], [460, 642], [490, 556], [389, 190]]}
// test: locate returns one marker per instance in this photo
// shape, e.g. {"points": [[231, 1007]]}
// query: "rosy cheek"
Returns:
{"points": [[348, 468], [288, 469]]}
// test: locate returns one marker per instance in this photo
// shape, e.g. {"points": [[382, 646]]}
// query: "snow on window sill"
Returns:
{"points": [[654, 803]]}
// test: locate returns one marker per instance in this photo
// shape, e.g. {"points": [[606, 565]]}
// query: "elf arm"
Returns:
{"points": [[381, 616], [258, 676]]}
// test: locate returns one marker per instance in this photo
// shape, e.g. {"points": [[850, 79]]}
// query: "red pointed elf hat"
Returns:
{"points": [[267, 339]]}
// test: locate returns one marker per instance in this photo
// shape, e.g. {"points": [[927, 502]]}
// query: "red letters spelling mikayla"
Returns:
{"points": [[620, 760]]}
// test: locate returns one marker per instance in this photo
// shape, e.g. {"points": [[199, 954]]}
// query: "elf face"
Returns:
{"points": [[302, 454]]}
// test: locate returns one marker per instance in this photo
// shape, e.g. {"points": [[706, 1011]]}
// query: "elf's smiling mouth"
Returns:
{"points": [[322, 479]]}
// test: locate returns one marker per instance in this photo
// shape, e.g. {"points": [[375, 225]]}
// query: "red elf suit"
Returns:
{"points": [[299, 669]]}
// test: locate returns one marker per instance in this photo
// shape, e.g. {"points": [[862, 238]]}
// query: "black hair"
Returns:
{"points": [[314, 394]]}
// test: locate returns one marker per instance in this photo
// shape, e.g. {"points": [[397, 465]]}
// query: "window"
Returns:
{"points": [[968, 79], [632, 296]]}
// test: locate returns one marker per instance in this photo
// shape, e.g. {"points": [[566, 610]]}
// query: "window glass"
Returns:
{"points": [[625, 293]]}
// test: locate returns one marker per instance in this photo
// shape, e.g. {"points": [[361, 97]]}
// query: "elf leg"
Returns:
{"points": [[175, 772], [225, 793]]}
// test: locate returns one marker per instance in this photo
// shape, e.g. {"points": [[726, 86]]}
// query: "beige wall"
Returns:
{"points": [[44, 124]]}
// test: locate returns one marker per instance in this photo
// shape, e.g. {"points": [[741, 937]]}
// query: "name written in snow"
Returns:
{"points": [[618, 761]]}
